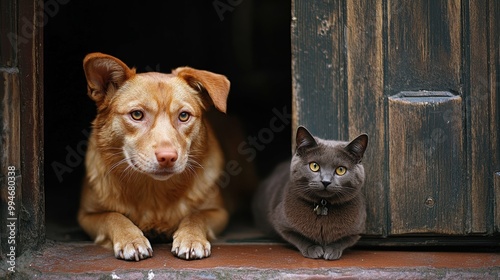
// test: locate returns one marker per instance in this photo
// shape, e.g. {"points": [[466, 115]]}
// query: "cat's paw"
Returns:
{"points": [[313, 252], [133, 250], [332, 253]]}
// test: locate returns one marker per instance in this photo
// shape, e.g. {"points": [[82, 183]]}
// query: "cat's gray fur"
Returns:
{"points": [[320, 213]]}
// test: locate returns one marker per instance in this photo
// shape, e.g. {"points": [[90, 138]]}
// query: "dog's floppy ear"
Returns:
{"points": [[104, 74], [216, 85]]}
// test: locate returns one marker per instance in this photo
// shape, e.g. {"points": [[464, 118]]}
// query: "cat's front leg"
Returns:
{"points": [[308, 248], [334, 250], [313, 251]]}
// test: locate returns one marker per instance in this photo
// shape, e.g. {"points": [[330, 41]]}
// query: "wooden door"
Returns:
{"points": [[422, 79]]}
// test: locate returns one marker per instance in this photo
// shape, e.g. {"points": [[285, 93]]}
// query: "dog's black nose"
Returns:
{"points": [[326, 183]]}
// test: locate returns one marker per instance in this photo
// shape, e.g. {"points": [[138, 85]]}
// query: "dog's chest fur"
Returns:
{"points": [[153, 205]]}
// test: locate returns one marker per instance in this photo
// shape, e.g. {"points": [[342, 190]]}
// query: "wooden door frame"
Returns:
{"points": [[21, 107]]}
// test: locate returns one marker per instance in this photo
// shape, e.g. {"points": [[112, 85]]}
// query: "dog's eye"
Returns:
{"points": [[184, 116], [137, 115]]}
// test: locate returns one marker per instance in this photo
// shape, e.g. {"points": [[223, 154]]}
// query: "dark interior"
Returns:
{"points": [[246, 40]]}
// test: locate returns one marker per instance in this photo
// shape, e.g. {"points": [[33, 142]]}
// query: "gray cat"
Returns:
{"points": [[315, 202]]}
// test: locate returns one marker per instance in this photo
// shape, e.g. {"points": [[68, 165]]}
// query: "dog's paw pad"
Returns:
{"points": [[135, 250], [190, 249]]}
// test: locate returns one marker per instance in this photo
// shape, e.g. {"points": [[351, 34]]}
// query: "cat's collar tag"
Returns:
{"points": [[321, 209]]}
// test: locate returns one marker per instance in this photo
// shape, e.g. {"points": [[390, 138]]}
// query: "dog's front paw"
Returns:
{"points": [[189, 247], [136, 249]]}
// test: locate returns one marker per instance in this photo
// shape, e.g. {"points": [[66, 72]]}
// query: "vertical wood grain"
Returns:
{"points": [[423, 45], [365, 85], [30, 56], [318, 67], [479, 113], [494, 52], [10, 151], [427, 193], [424, 52], [496, 185], [10, 114]]}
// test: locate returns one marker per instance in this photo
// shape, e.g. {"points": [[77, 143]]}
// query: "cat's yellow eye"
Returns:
{"points": [[340, 170], [314, 166], [184, 116], [137, 115]]}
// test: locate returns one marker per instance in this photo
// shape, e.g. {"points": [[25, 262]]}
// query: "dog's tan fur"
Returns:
{"points": [[157, 174]]}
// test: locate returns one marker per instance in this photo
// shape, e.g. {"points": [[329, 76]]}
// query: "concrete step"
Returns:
{"points": [[84, 260]]}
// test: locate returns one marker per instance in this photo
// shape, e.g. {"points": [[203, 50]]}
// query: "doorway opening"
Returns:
{"points": [[248, 41]]}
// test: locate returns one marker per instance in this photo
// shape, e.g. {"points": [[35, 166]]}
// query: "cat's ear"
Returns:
{"points": [[357, 146], [304, 139]]}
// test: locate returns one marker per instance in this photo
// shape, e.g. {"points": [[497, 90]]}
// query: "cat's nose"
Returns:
{"points": [[166, 157], [326, 183]]}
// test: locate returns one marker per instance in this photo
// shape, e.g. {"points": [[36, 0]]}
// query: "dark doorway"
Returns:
{"points": [[246, 40]]}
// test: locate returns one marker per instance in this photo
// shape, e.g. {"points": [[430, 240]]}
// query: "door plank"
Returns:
{"points": [[30, 57], [424, 52], [425, 157], [365, 85], [478, 116], [496, 185], [10, 151], [494, 52], [424, 45], [317, 63]]}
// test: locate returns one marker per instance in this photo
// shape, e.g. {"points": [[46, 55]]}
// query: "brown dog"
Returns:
{"points": [[152, 161]]}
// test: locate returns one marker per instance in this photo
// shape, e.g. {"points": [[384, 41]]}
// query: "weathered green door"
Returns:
{"points": [[422, 79]]}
